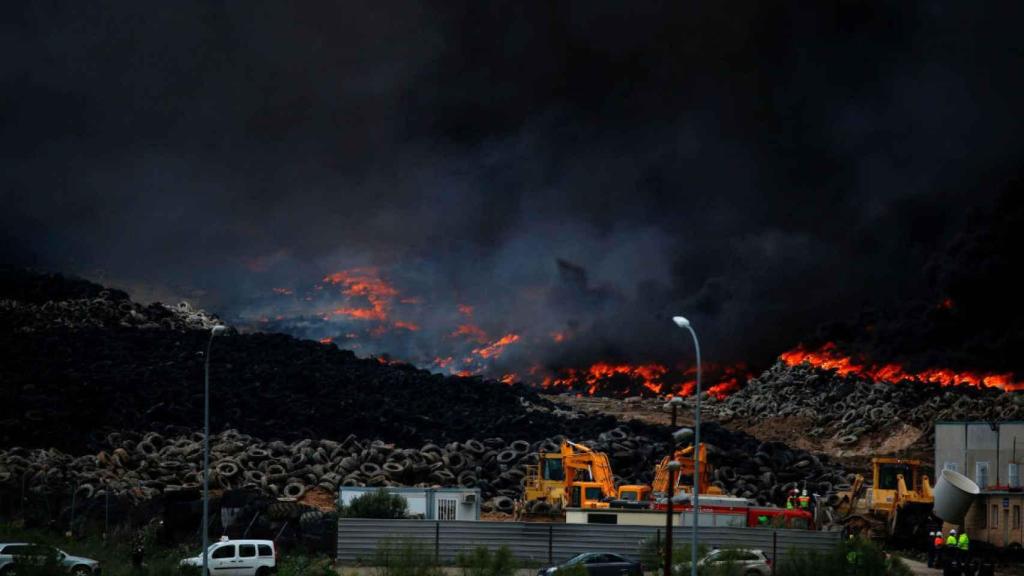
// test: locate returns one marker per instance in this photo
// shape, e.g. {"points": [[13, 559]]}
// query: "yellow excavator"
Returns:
{"points": [[575, 477], [684, 476], [896, 506]]}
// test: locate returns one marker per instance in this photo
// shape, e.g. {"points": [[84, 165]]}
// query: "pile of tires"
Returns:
{"points": [[143, 466], [846, 409]]}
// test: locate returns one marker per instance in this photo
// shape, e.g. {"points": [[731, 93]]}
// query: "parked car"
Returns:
{"points": [[238, 558], [744, 562], [599, 564], [15, 553]]}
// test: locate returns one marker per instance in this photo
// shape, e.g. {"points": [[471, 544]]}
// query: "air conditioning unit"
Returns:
{"points": [[469, 498]]}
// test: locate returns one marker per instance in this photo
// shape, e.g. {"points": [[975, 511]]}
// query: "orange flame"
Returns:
{"points": [[653, 377], [326, 340], [509, 379], [494, 349], [406, 326], [829, 358], [470, 332]]}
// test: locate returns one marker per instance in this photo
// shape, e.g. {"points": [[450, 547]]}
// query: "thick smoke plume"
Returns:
{"points": [[567, 169]]}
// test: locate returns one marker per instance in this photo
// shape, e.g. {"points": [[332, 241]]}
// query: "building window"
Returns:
{"points": [[950, 466], [981, 474], [1016, 517], [995, 516], [1013, 472], [446, 509]]}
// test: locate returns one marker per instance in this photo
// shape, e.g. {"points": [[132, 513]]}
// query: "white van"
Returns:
{"points": [[238, 558]]}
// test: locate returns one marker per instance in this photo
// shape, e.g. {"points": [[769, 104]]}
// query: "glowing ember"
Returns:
{"points": [[509, 379], [326, 340], [494, 349], [443, 362], [829, 358], [465, 309], [406, 326], [558, 337]]}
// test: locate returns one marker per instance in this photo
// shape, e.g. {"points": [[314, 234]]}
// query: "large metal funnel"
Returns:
{"points": [[953, 496]]}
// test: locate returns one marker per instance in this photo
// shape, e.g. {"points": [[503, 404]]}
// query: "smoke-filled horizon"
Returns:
{"points": [[573, 173]]}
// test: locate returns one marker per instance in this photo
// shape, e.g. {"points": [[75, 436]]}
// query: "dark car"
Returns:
{"points": [[599, 564]]}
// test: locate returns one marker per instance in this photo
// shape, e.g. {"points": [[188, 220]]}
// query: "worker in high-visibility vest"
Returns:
{"points": [[951, 540], [963, 543], [804, 500]]}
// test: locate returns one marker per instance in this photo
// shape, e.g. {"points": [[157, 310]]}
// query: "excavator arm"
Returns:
{"points": [[594, 465]]}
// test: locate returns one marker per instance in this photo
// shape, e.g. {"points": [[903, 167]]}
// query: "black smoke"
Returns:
{"points": [[761, 168]]}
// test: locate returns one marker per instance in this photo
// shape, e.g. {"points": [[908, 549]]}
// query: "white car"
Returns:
{"points": [[14, 553], [238, 558]]}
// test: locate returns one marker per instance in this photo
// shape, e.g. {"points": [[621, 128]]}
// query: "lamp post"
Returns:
{"points": [[216, 330], [684, 323], [673, 405], [673, 467]]}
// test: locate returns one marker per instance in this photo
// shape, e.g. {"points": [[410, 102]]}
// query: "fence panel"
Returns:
{"points": [[538, 543]]}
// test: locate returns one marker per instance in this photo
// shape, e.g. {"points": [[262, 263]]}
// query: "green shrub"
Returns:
{"points": [[481, 562], [379, 504], [301, 565], [858, 557], [405, 558]]}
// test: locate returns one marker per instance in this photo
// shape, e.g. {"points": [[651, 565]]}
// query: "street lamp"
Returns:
{"points": [[684, 323], [215, 331], [672, 405]]}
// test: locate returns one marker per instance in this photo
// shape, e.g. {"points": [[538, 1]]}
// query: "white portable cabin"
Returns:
{"points": [[426, 503]]}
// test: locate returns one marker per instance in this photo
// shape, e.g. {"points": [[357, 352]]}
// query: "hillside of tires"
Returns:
{"points": [[103, 397]]}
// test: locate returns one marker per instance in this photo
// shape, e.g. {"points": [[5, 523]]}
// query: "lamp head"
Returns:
{"points": [[683, 436], [218, 330], [674, 466], [681, 321]]}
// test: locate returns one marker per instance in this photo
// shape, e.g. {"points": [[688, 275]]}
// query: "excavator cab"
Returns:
{"points": [[586, 495]]}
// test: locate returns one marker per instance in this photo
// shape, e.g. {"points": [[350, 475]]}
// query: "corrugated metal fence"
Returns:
{"points": [[358, 539]]}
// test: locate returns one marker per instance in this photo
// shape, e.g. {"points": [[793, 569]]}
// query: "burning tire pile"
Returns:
{"points": [[846, 409], [125, 384]]}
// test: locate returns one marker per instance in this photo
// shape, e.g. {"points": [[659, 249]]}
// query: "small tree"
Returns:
{"points": [[379, 504], [481, 562]]}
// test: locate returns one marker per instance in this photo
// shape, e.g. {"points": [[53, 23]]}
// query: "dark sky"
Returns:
{"points": [[760, 167]]}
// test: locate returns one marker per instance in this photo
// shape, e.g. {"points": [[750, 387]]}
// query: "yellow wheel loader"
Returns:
{"points": [[896, 506]]}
